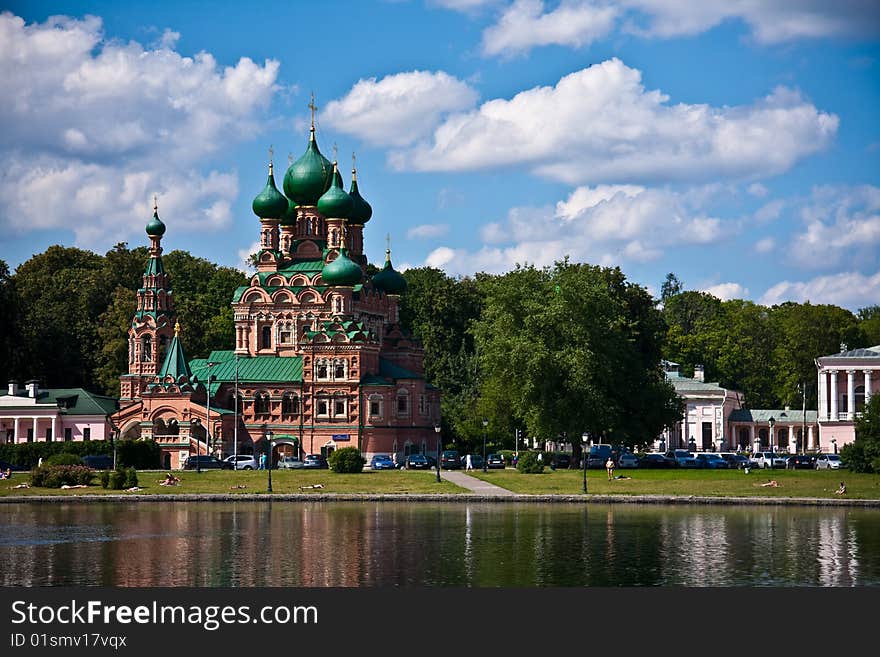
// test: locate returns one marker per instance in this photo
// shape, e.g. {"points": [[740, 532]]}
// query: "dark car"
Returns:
{"points": [[711, 461], [417, 462], [560, 462], [4, 466], [205, 462], [99, 461], [382, 462], [800, 462], [315, 462], [495, 462], [432, 462], [449, 460], [476, 461], [736, 460], [657, 461]]}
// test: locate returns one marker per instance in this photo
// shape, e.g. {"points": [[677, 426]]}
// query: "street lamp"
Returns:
{"points": [[585, 439], [485, 431], [771, 422], [197, 422], [270, 446], [437, 431], [834, 444]]}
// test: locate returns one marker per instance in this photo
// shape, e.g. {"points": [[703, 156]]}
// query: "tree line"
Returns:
{"points": [[551, 352]]}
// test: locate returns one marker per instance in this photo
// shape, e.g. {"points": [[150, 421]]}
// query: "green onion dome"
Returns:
{"points": [[335, 202], [270, 203], [309, 177], [289, 217], [388, 280], [360, 209], [155, 228], [342, 271]]}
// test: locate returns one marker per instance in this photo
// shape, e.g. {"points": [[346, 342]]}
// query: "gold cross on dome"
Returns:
{"points": [[313, 108], [155, 203], [335, 152]]}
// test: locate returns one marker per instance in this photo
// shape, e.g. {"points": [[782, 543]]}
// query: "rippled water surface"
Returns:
{"points": [[427, 544]]}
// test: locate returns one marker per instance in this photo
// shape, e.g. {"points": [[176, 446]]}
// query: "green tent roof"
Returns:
{"points": [[175, 364]]}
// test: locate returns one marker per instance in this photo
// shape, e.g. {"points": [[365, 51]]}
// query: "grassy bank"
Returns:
{"points": [[254, 481], [702, 483]]}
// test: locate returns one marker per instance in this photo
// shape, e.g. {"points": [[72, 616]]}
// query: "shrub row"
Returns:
{"points": [[346, 460], [140, 454], [119, 479], [56, 476]]}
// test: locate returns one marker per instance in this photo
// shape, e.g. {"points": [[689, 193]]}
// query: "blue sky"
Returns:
{"points": [[734, 143]]}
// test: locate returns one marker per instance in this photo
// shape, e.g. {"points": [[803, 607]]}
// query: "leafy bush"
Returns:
{"points": [[861, 456], [64, 458], [346, 460], [529, 464], [140, 454], [119, 478], [56, 476], [116, 480], [105, 478], [131, 478]]}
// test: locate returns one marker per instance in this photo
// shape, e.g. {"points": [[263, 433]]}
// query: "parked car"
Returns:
{"points": [[417, 462], [800, 462], [683, 458], [769, 460], [598, 455], [382, 462], [711, 460], [627, 460], [656, 460], [432, 462], [495, 462], [315, 462], [449, 460], [476, 461], [99, 461], [289, 463], [560, 461], [241, 462], [828, 462], [736, 460], [205, 462], [4, 466]]}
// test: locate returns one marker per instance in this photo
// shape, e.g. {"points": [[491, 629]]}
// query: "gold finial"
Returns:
{"points": [[271, 156], [313, 108], [155, 204], [388, 246], [335, 153], [354, 172], [176, 328]]}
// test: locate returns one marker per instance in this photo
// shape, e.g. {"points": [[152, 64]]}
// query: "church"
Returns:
{"points": [[319, 360]]}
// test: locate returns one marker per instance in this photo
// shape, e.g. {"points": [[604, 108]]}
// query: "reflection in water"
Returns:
{"points": [[421, 544]]}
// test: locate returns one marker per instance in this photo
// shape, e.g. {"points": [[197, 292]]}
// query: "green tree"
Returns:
{"points": [[869, 320], [863, 455], [8, 327], [112, 357], [671, 287]]}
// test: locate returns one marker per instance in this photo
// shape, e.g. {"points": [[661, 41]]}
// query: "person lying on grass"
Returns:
{"points": [[772, 483]]}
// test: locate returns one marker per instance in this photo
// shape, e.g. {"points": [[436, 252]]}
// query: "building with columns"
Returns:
{"points": [[777, 430], [33, 414], [318, 359], [845, 381]]}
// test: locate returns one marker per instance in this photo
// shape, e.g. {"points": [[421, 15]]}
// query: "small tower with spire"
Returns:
{"points": [[360, 214], [151, 326], [271, 207]]}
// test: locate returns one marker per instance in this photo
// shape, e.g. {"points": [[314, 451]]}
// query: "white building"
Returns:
{"points": [[845, 382]]}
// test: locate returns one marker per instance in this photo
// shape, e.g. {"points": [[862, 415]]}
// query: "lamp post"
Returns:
{"points": [[834, 444], [585, 439], [485, 431], [437, 431], [270, 446], [114, 433], [771, 422]]}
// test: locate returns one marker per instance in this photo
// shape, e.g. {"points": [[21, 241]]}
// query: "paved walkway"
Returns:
{"points": [[473, 484]]}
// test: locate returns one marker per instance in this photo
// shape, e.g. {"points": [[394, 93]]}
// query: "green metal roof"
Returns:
{"points": [[781, 416], [681, 383], [175, 364], [74, 401], [251, 369], [394, 371]]}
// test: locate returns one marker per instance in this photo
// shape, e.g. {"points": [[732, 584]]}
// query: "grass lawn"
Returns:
{"points": [[700, 483], [254, 481]]}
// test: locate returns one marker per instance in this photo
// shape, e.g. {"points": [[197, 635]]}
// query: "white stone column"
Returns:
{"points": [[833, 374], [792, 440], [811, 438], [822, 392], [15, 429], [851, 393], [54, 430], [36, 439], [867, 386], [752, 435]]}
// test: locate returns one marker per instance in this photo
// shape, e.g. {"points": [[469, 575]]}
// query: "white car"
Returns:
{"points": [[289, 463], [769, 460], [828, 462], [628, 460], [242, 462]]}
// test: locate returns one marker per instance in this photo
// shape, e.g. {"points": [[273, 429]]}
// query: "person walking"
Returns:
{"points": [[609, 467], [468, 464]]}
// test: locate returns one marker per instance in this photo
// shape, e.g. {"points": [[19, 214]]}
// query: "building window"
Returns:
{"points": [[423, 405], [266, 338], [290, 404], [402, 403], [286, 337], [68, 434], [860, 399], [375, 406], [261, 403], [87, 433], [48, 434], [323, 407], [30, 435], [147, 348], [339, 408], [339, 370], [321, 370]]}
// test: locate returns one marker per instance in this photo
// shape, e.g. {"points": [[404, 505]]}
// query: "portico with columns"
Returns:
{"points": [[845, 383]]}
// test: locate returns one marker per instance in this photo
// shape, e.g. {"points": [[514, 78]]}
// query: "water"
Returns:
{"points": [[373, 544]]}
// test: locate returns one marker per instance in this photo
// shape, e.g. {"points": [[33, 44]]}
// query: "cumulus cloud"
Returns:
{"points": [[851, 290], [398, 109], [727, 291], [600, 124], [758, 190], [94, 127], [524, 25], [606, 224], [840, 223], [427, 231], [765, 245]]}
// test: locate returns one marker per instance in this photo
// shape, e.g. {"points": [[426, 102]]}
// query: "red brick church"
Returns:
{"points": [[319, 359]]}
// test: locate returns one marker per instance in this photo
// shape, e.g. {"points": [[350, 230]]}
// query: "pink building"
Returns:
{"points": [[55, 414], [845, 382]]}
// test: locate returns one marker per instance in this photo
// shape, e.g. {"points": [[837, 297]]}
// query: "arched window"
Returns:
{"points": [[375, 406], [322, 372], [147, 348], [340, 407], [339, 370], [322, 406], [290, 404], [402, 402], [261, 403], [266, 338]]}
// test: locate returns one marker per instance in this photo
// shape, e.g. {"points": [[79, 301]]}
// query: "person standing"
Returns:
{"points": [[609, 468], [468, 464]]}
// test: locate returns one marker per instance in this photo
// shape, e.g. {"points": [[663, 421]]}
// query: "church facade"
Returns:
{"points": [[319, 359]]}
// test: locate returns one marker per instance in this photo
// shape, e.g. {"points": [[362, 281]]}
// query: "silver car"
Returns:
{"points": [[242, 462], [828, 462]]}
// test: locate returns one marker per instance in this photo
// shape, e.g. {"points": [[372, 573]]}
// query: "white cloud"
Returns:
{"points": [[770, 211], [398, 109], [765, 245], [600, 124], [427, 231], [93, 127], [840, 224], [758, 190], [851, 290], [727, 291], [464, 6], [524, 25], [604, 225]]}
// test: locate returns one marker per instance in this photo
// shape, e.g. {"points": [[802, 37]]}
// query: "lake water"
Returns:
{"points": [[354, 544]]}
